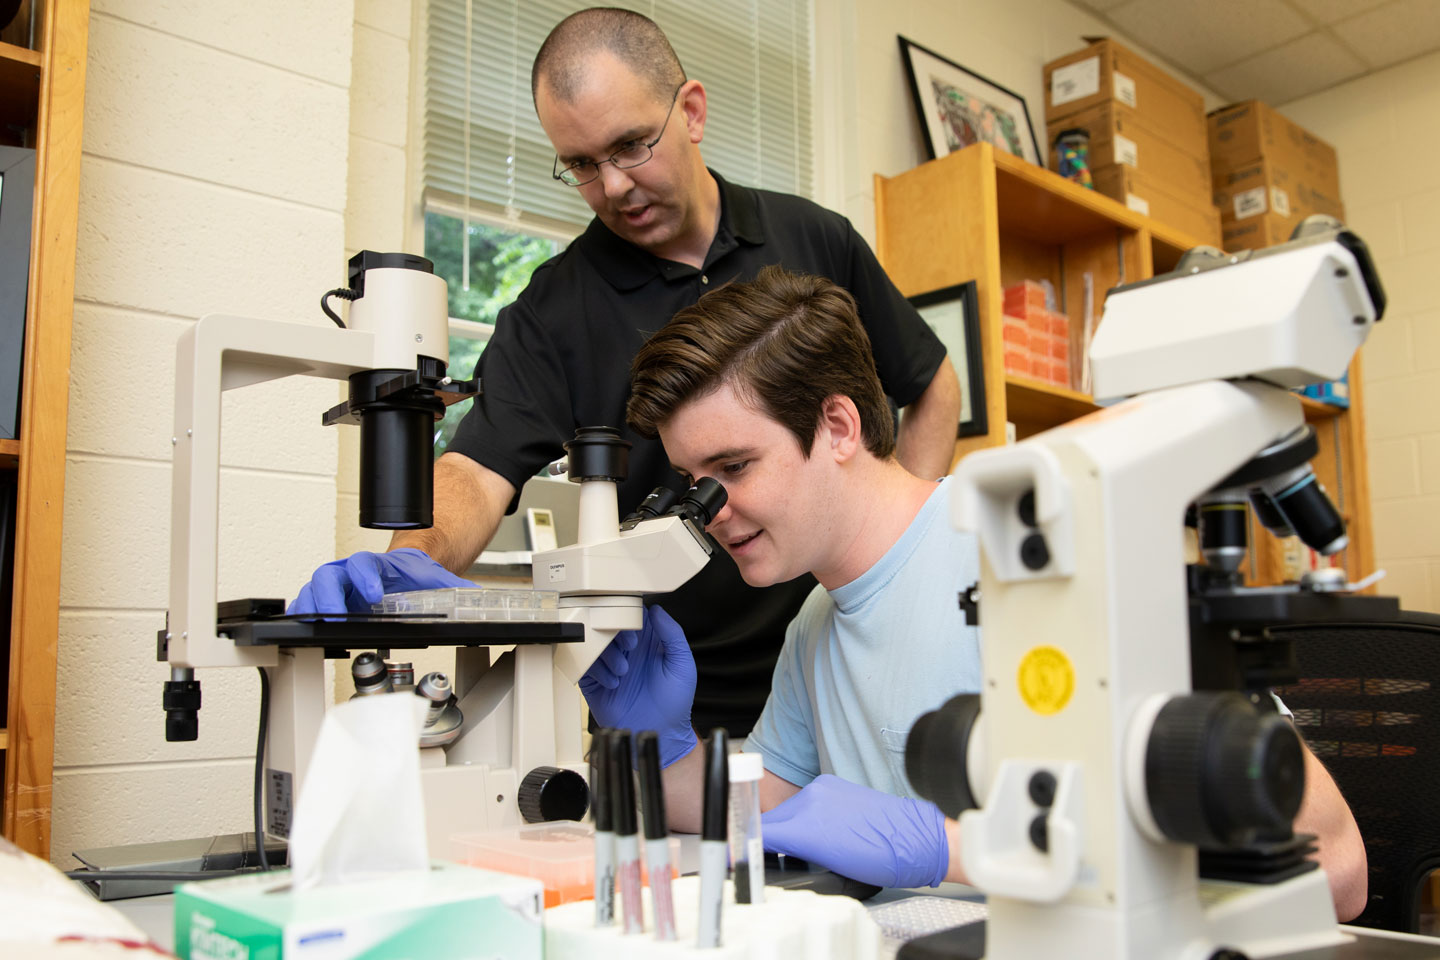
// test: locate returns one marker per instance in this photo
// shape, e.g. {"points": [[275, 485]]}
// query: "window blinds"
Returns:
{"points": [[483, 143]]}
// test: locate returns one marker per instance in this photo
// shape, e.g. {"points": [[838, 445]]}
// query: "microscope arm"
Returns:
{"points": [[601, 583], [220, 353]]}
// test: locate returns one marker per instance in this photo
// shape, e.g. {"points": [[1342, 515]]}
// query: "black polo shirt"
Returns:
{"points": [[560, 359]]}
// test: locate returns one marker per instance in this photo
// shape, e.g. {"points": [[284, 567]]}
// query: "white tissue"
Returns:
{"points": [[360, 812]]}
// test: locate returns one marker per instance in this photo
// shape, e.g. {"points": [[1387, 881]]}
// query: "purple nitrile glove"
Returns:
{"points": [[861, 833], [645, 680], [354, 583]]}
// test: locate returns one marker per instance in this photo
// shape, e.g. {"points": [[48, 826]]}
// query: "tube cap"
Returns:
{"points": [[745, 767]]}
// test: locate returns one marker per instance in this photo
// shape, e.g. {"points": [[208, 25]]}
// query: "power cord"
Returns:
{"points": [[344, 293], [182, 876], [258, 792]]}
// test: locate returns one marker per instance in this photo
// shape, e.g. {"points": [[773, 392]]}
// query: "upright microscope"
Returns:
{"points": [[514, 752], [1129, 790]]}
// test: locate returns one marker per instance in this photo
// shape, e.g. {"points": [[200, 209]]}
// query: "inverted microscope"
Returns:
{"points": [[504, 742], [1124, 784]]}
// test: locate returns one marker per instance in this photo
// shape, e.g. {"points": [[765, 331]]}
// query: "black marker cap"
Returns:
{"points": [[600, 779], [652, 786], [717, 786], [622, 784]]}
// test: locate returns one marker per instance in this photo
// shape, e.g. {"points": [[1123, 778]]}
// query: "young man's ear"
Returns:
{"points": [[840, 432]]}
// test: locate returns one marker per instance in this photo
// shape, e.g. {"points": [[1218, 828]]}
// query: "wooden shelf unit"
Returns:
{"points": [[983, 215], [42, 105], [20, 85]]}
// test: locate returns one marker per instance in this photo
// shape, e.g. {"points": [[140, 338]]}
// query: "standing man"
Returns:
{"points": [[626, 124]]}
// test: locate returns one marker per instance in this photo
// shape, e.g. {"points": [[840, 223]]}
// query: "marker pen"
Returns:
{"points": [[604, 828], [627, 846], [713, 848], [657, 839]]}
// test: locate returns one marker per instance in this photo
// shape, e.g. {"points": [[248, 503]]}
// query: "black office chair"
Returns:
{"points": [[1368, 704]]}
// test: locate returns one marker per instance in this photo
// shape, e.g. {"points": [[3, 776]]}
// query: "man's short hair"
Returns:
{"points": [[785, 342], [634, 39]]}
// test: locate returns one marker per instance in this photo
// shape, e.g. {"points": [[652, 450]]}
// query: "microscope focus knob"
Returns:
{"points": [[552, 793], [1217, 771], [936, 751]]}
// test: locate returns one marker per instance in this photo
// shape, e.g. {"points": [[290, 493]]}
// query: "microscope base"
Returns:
{"points": [[1260, 921], [468, 798]]}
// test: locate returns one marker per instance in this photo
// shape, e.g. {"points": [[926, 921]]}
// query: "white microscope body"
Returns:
{"points": [[1084, 614], [521, 713]]}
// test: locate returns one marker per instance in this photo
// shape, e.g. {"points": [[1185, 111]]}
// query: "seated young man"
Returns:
{"points": [[770, 388]]}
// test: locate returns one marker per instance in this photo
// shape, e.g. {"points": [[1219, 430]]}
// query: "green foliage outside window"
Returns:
{"points": [[501, 262]]}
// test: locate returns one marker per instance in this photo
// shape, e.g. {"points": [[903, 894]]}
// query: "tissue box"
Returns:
{"points": [[446, 914]]}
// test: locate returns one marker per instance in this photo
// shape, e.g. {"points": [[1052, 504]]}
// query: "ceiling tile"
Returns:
{"points": [[1394, 32], [1203, 37], [1328, 11], [1301, 67]]}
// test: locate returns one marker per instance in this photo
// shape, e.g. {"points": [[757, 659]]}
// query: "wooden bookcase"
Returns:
{"points": [[987, 216], [42, 105]]}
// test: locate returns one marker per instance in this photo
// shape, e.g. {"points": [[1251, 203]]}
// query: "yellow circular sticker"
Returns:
{"points": [[1046, 680]]}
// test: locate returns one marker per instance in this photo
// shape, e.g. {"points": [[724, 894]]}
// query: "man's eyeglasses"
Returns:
{"points": [[630, 155]]}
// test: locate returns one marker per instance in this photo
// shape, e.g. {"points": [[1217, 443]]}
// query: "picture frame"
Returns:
{"points": [[954, 314], [958, 107]]}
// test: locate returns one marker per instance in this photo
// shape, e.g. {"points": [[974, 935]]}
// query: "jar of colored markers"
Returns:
{"points": [[1072, 149]]}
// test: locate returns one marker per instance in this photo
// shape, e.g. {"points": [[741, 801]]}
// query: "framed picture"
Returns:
{"points": [[954, 314], [958, 107]]}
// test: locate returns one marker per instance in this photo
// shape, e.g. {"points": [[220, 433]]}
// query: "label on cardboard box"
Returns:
{"points": [[1126, 152], [1139, 204], [1249, 203], [1280, 201], [1075, 81], [1125, 89]]}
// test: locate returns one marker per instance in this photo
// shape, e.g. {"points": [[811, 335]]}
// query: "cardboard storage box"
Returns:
{"points": [[1196, 218], [1265, 230], [1121, 135], [1244, 133], [1260, 204], [1269, 187], [449, 911], [1106, 72]]}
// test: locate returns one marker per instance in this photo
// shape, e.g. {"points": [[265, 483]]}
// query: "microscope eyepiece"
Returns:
{"points": [[657, 503], [702, 502]]}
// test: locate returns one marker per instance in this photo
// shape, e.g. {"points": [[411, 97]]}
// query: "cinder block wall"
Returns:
{"points": [[213, 180], [1383, 128]]}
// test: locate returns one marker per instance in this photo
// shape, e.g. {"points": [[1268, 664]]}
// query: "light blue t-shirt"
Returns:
{"points": [[862, 662]]}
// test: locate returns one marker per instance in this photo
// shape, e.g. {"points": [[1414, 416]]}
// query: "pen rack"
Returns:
{"points": [[789, 925]]}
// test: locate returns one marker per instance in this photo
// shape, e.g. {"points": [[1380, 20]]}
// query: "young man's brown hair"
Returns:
{"points": [[786, 342]]}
